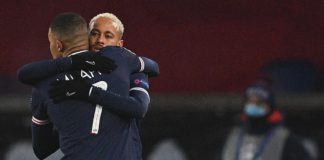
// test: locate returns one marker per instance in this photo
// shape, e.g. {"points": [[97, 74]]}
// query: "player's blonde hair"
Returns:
{"points": [[116, 22]]}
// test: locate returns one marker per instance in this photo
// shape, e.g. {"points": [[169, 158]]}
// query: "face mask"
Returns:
{"points": [[254, 110]]}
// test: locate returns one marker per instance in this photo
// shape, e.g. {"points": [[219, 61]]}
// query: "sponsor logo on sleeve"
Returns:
{"points": [[141, 82]]}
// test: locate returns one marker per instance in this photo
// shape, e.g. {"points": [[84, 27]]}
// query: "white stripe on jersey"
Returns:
{"points": [[90, 91], [39, 122], [142, 64], [140, 89]]}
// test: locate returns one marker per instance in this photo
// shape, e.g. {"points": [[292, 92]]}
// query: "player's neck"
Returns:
{"points": [[76, 48]]}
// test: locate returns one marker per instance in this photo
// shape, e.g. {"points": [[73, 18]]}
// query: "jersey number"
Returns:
{"points": [[97, 114]]}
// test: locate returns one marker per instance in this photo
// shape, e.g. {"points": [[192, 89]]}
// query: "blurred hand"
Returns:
{"points": [[71, 89]]}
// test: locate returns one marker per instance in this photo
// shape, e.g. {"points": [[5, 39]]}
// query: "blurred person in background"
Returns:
{"points": [[261, 135]]}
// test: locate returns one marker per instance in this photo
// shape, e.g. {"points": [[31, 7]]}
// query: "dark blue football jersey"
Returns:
{"points": [[86, 131]]}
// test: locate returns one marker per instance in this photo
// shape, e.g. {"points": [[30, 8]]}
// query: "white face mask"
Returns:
{"points": [[255, 110]]}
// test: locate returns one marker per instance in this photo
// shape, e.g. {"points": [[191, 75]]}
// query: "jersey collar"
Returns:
{"points": [[78, 52]]}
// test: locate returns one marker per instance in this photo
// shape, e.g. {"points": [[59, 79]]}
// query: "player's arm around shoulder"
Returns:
{"points": [[139, 90], [141, 64], [34, 72], [151, 68], [134, 105]]}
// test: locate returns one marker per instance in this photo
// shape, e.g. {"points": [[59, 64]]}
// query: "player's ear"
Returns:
{"points": [[120, 43], [59, 45]]}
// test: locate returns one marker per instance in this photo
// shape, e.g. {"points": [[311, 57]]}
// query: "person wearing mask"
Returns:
{"points": [[261, 135]]}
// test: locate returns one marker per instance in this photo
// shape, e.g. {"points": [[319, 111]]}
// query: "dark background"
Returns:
{"points": [[208, 52], [224, 42]]}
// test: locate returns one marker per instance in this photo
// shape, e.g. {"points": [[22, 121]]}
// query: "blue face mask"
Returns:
{"points": [[254, 110]]}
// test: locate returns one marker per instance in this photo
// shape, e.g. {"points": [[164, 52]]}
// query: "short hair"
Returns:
{"points": [[116, 22], [68, 26]]}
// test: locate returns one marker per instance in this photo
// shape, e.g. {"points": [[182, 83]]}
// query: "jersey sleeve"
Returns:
{"points": [[142, 64], [44, 139], [135, 105], [151, 68], [39, 111], [34, 72], [135, 63]]}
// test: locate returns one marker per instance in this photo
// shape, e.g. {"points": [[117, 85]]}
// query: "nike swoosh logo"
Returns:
{"points": [[70, 94], [91, 62]]}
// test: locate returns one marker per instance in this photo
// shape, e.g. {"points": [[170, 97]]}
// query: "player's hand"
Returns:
{"points": [[71, 89], [94, 62]]}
